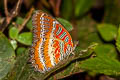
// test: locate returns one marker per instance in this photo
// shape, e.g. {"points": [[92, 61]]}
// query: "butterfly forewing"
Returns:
{"points": [[51, 42]]}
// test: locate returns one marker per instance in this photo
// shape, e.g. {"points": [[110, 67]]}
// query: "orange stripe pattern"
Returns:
{"points": [[51, 42]]}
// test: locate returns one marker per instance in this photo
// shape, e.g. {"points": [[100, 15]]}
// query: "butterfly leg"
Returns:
{"points": [[75, 44], [73, 53]]}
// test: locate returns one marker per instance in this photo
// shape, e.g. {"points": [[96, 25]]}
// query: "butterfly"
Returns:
{"points": [[51, 42]]}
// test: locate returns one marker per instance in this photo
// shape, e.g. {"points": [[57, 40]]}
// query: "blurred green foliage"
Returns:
{"points": [[81, 7], [107, 31], [20, 50], [7, 57], [29, 25], [76, 16], [118, 40], [66, 9]]}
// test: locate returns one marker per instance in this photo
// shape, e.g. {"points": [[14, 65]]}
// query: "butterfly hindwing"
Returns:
{"points": [[51, 42]]}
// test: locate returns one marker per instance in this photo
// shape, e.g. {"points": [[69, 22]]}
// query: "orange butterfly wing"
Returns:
{"points": [[51, 42]]}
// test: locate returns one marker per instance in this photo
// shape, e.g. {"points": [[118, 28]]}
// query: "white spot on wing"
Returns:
{"points": [[41, 53], [50, 52]]}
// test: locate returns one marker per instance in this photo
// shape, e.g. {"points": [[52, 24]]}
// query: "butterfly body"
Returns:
{"points": [[51, 42]]}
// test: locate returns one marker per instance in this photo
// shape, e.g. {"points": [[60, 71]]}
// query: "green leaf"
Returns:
{"points": [[67, 9], [13, 32], [82, 6], [106, 50], [20, 50], [7, 55], [105, 61], [21, 69], [29, 24], [66, 24], [19, 20], [25, 38], [14, 44], [105, 65], [118, 40], [107, 31]]}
